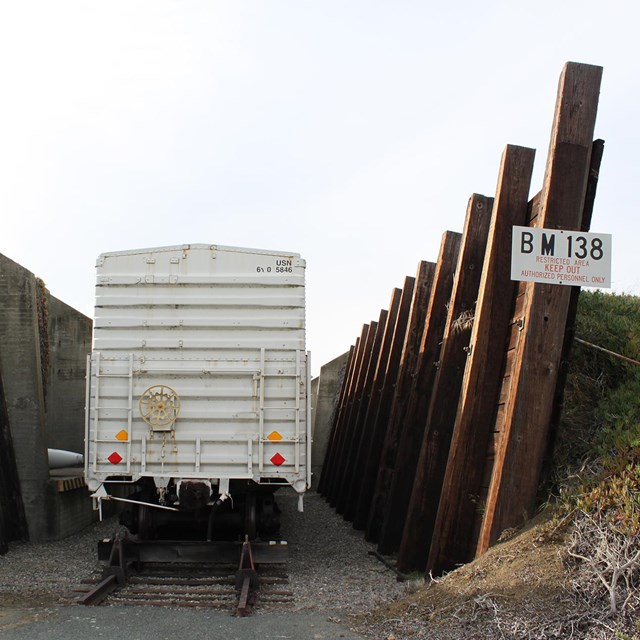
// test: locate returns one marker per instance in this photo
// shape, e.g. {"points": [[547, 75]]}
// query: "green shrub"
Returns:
{"points": [[601, 412]]}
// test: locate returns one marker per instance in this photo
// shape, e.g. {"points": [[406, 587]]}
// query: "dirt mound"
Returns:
{"points": [[517, 589]]}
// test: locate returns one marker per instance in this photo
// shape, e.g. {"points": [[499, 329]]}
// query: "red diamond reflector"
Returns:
{"points": [[115, 458], [277, 459]]}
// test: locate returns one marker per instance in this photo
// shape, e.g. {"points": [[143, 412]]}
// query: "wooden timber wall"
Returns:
{"points": [[447, 410]]}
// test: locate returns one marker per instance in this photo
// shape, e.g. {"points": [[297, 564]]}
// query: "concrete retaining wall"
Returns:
{"points": [[68, 510], [24, 393], [70, 342], [43, 346], [13, 524], [326, 398]]}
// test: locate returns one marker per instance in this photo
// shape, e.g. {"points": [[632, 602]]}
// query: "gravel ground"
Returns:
{"points": [[34, 574], [516, 590], [330, 565], [331, 571]]}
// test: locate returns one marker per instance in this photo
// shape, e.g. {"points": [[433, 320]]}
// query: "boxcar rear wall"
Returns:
{"points": [[224, 329]]}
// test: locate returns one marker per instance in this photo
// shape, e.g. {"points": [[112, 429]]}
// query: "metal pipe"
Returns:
{"points": [[611, 353], [146, 504]]}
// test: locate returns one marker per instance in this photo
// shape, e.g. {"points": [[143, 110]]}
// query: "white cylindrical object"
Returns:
{"points": [[58, 458]]}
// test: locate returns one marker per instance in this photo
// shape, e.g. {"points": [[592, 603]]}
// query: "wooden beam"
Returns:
{"points": [[474, 417], [358, 426], [415, 408], [330, 459], [331, 446], [352, 410], [368, 423], [523, 442], [381, 417], [411, 346], [344, 416], [597, 151], [434, 450]]}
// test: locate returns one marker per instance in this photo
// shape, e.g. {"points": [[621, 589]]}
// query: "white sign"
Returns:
{"points": [[556, 256]]}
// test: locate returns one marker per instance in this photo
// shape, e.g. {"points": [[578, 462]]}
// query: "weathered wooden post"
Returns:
{"points": [[343, 417], [366, 433], [416, 405], [432, 461], [419, 304], [542, 322], [597, 151], [331, 445], [360, 409], [381, 416], [476, 408]]}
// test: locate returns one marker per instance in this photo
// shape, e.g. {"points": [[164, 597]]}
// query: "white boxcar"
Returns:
{"points": [[199, 372]]}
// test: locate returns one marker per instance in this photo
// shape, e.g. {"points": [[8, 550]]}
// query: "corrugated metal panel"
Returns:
{"points": [[223, 330]]}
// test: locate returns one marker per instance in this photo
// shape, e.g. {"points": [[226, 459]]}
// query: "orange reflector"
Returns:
{"points": [[115, 458], [277, 459], [122, 435], [274, 436]]}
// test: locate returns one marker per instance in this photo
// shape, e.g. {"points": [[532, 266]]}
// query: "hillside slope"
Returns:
{"points": [[574, 570], [518, 589]]}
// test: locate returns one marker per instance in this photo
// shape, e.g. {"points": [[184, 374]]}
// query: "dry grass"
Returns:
{"points": [[464, 322], [521, 588]]}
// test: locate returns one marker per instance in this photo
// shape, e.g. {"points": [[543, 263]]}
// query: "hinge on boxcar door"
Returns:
{"points": [[468, 350], [520, 323]]}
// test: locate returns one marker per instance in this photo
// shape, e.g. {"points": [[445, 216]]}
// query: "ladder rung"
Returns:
{"points": [[113, 375]]}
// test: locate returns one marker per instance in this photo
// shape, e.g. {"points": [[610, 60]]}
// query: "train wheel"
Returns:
{"points": [[250, 519], [146, 523], [269, 516]]}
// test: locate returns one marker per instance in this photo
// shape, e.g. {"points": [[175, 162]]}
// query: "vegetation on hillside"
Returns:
{"points": [[597, 461], [573, 572]]}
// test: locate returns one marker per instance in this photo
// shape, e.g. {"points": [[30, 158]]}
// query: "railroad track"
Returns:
{"points": [[187, 585], [175, 574]]}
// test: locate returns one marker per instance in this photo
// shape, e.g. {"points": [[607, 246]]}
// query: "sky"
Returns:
{"points": [[350, 131]]}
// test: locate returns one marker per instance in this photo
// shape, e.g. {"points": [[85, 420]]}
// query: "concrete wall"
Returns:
{"points": [[69, 344], [313, 399], [24, 394], [13, 524], [328, 389], [69, 508], [43, 346]]}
